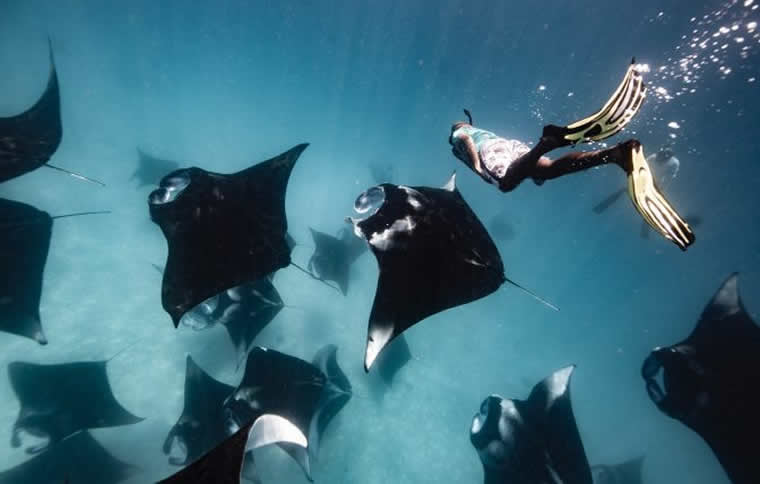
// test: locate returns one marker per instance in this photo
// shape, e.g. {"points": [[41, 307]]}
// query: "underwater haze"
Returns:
{"points": [[223, 85]]}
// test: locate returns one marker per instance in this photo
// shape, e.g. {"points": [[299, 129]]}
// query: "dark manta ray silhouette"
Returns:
{"points": [[531, 441], [628, 472], [79, 459], [244, 311], [28, 140], [222, 230], [202, 423], [222, 465], [62, 399], [333, 256], [709, 382], [150, 169], [433, 254], [289, 401], [24, 243]]}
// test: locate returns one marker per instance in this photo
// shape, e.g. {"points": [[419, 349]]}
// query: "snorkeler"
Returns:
{"points": [[507, 163]]}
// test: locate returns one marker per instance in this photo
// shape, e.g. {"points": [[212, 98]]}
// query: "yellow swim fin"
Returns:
{"points": [[616, 113], [651, 203]]}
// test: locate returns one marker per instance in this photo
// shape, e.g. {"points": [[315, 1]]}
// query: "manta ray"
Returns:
{"points": [[29, 139], [531, 441], [289, 401], [244, 311], [432, 252], [59, 400], [150, 170], [333, 256], [221, 465], [223, 230], [79, 459], [708, 381], [202, 423], [24, 244]]}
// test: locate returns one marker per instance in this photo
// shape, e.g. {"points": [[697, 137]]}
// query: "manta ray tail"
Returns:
{"points": [[533, 294], [313, 276], [125, 349], [75, 175], [66, 215], [79, 214]]}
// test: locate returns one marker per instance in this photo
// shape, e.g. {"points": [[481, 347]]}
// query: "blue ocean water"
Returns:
{"points": [[226, 84]]}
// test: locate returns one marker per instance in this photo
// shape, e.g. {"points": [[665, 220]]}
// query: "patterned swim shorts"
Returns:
{"points": [[497, 154]]}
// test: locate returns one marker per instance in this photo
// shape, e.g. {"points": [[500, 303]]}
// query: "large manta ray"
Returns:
{"points": [[333, 256], [433, 254], [150, 169], [62, 399], [24, 243], [79, 459], [202, 423], [710, 382], [222, 465], [222, 230], [531, 441], [289, 401], [628, 472]]}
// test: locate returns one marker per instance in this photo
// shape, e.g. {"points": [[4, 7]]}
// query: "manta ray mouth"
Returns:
{"points": [[368, 203], [201, 316], [485, 423], [370, 200], [170, 188]]}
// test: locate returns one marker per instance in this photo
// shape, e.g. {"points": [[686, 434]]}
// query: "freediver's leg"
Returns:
{"points": [[524, 166], [547, 169], [616, 113]]}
